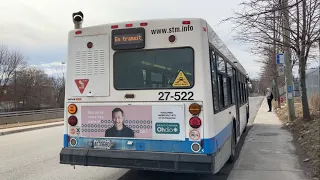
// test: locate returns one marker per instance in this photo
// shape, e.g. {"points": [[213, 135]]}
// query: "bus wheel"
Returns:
{"points": [[247, 121], [233, 146]]}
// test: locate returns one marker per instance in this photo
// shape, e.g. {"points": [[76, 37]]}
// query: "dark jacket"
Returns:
{"points": [[124, 132]]}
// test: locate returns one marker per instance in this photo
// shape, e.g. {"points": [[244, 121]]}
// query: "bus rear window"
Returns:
{"points": [[152, 69]]}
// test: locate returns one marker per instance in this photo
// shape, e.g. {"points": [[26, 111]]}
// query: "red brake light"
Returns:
{"points": [[128, 25], [195, 122], [144, 24], [185, 22], [73, 120], [78, 32], [114, 26]]}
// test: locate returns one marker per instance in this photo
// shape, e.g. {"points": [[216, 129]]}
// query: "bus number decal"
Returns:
{"points": [[164, 96]]}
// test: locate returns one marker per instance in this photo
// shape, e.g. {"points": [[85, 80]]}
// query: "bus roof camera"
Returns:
{"points": [[77, 18]]}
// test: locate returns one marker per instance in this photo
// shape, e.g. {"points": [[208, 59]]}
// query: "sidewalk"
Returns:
{"points": [[267, 153], [28, 126]]}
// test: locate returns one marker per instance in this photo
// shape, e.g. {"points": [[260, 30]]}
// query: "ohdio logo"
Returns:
{"points": [[166, 130]]}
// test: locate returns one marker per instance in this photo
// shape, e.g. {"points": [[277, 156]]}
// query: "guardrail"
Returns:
{"points": [[27, 116], [23, 113]]}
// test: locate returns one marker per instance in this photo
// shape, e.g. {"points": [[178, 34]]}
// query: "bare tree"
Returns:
{"points": [[10, 62], [59, 84], [34, 89], [260, 24]]}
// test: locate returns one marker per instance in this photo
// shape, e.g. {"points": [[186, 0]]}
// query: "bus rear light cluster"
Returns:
{"points": [[195, 109], [72, 109], [129, 25], [143, 24]]}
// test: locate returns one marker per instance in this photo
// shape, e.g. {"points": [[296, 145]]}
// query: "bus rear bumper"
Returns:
{"points": [[169, 162]]}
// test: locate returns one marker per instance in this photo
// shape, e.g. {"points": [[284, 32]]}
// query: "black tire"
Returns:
{"points": [[245, 128], [233, 146]]}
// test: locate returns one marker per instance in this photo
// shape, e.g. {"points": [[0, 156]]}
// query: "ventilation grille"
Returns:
{"points": [[90, 62]]}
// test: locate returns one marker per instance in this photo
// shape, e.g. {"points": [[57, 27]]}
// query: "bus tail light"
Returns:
{"points": [[73, 120], [72, 109], [78, 32], [185, 22], [128, 25], [195, 108], [114, 26], [144, 24], [195, 122]]}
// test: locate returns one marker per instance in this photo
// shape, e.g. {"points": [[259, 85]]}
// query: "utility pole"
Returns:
{"points": [[15, 90], [277, 95], [287, 60]]}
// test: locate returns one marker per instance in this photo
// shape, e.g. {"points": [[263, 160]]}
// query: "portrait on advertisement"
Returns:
{"points": [[119, 129]]}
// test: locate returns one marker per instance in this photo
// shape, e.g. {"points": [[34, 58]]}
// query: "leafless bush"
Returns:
{"points": [[315, 102]]}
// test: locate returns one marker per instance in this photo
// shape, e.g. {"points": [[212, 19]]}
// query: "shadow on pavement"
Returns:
{"points": [[222, 175]]}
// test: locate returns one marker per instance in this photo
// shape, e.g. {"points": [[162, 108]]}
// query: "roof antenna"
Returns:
{"points": [[77, 18]]}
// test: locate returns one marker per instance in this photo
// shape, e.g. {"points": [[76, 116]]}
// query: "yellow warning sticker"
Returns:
{"points": [[181, 80]]}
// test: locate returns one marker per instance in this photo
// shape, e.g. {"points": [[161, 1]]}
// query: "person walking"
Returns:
{"points": [[269, 98]]}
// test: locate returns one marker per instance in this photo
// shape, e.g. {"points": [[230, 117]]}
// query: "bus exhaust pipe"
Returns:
{"points": [[77, 18]]}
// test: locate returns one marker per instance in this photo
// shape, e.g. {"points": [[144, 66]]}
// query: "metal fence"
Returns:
{"points": [[296, 91], [34, 112], [313, 82]]}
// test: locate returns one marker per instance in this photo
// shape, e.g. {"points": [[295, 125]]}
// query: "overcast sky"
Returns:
{"points": [[39, 28]]}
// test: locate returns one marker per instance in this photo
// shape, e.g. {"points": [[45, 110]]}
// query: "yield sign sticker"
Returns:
{"points": [[82, 84]]}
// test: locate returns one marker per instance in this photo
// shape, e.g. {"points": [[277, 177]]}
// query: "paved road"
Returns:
{"points": [[34, 155]]}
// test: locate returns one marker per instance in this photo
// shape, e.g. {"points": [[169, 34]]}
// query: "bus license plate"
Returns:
{"points": [[102, 144]]}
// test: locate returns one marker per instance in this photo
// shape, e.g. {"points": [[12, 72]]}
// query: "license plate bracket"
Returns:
{"points": [[102, 144]]}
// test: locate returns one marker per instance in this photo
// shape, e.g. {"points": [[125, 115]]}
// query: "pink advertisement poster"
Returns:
{"points": [[116, 121]]}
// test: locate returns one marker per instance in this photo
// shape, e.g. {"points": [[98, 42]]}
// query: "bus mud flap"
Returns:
{"points": [[74, 156], [176, 162]]}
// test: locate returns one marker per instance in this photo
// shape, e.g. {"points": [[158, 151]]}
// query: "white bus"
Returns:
{"points": [[162, 95]]}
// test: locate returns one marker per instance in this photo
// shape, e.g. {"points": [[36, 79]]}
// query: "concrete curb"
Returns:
{"points": [[264, 100], [30, 128], [255, 116]]}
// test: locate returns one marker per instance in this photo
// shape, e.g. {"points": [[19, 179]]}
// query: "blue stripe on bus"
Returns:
{"points": [[65, 140], [210, 144]]}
